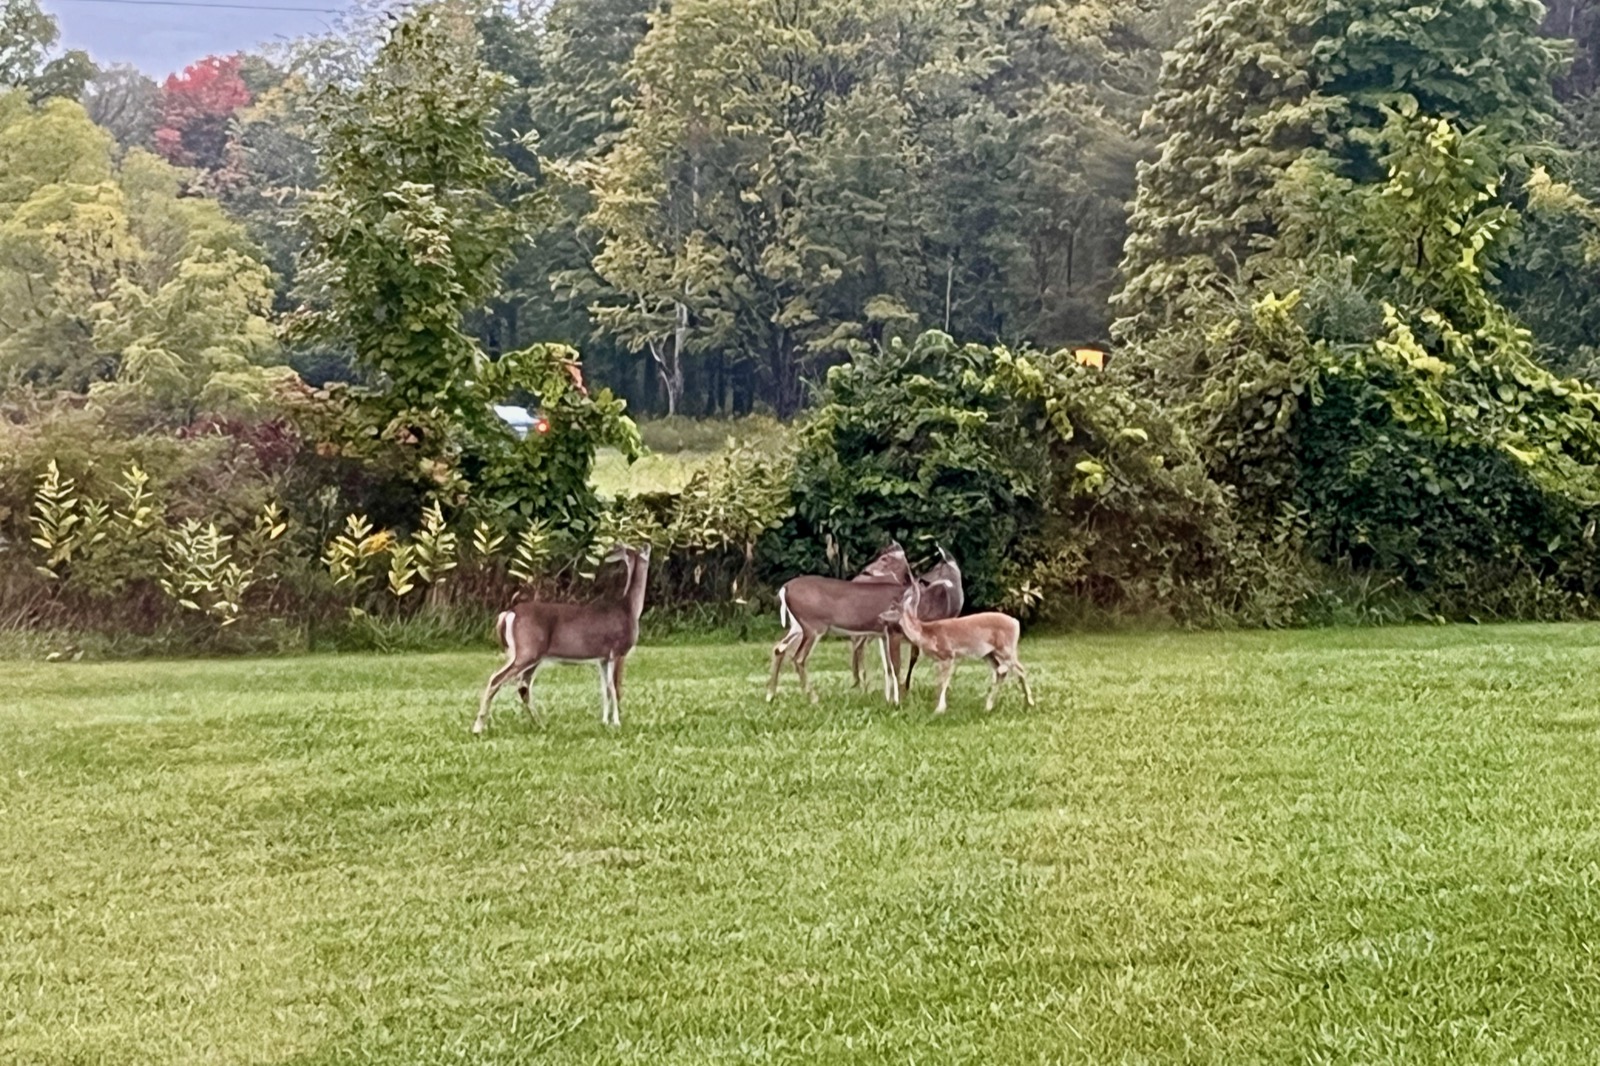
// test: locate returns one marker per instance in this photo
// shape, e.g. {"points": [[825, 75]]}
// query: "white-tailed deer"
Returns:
{"points": [[990, 635], [942, 597], [812, 607], [534, 633]]}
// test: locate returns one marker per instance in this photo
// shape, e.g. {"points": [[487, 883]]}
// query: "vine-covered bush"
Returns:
{"points": [[916, 442], [1058, 486]]}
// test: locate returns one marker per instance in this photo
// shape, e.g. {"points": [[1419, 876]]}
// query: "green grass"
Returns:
{"points": [[677, 448], [1338, 846], [657, 472]]}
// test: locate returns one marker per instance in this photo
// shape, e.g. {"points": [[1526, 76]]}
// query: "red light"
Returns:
{"points": [[541, 426]]}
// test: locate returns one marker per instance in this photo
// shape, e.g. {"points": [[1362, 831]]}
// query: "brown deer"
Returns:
{"points": [[990, 635], [891, 567], [534, 633], [812, 607], [938, 601]]}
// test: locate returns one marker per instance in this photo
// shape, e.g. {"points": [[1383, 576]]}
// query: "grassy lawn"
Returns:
{"points": [[1312, 847]]}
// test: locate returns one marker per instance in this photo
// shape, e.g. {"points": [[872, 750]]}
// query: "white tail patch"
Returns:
{"points": [[785, 619], [507, 629]]}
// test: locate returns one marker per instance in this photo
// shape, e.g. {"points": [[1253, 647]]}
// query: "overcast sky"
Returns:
{"points": [[160, 40]]}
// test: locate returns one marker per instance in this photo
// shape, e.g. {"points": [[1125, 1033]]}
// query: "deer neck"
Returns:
{"points": [[911, 625], [638, 574]]}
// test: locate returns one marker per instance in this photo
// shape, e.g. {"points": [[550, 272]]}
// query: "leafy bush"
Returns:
{"points": [[916, 442], [1061, 489]]}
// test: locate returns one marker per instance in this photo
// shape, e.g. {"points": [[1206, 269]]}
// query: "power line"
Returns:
{"points": [[214, 7]]}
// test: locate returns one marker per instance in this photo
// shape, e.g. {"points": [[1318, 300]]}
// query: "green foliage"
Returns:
{"points": [[1237, 105], [63, 523], [1480, 64], [1261, 83], [1053, 484], [350, 554], [202, 573], [531, 554], [730, 504], [27, 38], [547, 475], [434, 546], [917, 442], [109, 275], [406, 235], [784, 185]]}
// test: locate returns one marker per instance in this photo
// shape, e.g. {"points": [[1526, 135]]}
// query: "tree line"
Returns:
{"points": [[1344, 253], [734, 193]]}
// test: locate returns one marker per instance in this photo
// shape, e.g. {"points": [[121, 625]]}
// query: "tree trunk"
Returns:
{"points": [[668, 356]]}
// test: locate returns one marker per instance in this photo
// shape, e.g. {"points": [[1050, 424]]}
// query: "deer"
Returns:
{"points": [[939, 600], [990, 635], [533, 633], [811, 607]]}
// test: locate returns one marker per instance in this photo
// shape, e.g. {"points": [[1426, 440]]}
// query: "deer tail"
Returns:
{"points": [[784, 617]]}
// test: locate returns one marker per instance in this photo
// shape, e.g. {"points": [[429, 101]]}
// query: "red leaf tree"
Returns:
{"points": [[195, 110]]}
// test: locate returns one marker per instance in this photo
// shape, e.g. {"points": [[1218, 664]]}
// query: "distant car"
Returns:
{"points": [[523, 421]]}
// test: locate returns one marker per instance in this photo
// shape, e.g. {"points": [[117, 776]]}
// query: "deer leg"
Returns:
{"points": [[616, 690], [1022, 675], [997, 679], [801, 655], [858, 646], [947, 669], [895, 641], [891, 676], [779, 650], [496, 680], [911, 664], [525, 691], [605, 692]]}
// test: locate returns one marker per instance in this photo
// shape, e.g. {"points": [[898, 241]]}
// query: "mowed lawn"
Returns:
{"points": [[1375, 846]]}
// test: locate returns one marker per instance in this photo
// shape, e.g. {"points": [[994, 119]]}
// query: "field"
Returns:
{"points": [[1375, 846]]}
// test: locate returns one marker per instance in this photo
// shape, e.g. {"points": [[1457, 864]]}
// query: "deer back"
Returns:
{"points": [[603, 629], [848, 606]]}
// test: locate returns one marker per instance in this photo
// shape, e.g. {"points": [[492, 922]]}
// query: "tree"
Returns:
{"points": [[271, 168], [695, 200], [1444, 449], [406, 234], [27, 38], [124, 103], [1260, 82], [196, 109], [1579, 22], [1482, 64], [110, 278], [791, 179], [567, 68], [1236, 107]]}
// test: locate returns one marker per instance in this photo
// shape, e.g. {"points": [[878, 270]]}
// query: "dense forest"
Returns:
{"points": [[1343, 254], [728, 194]]}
